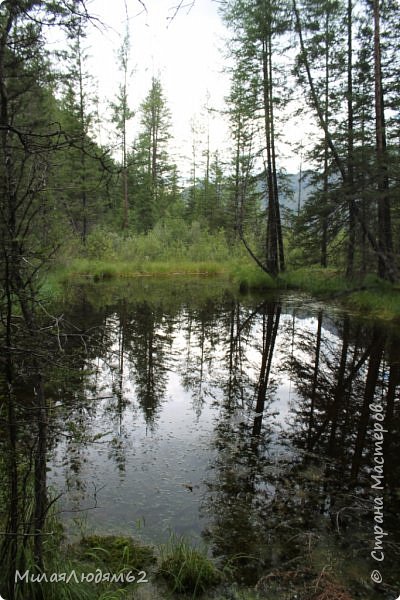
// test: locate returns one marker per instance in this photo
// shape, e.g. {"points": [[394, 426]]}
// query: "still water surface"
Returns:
{"points": [[247, 422]]}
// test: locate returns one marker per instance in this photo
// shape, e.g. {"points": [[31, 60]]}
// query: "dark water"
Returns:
{"points": [[266, 426]]}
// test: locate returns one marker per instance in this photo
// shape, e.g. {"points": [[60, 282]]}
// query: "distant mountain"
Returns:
{"points": [[289, 191], [297, 192]]}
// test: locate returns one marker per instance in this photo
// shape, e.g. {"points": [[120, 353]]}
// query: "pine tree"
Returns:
{"points": [[77, 175], [29, 140], [258, 27], [121, 115], [151, 168]]}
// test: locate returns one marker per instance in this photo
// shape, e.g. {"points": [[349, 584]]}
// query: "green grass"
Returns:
{"points": [[116, 553], [377, 299], [374, 304], [187, 569], [175, 248], [242, 272], [99, 270], [315, 280]]}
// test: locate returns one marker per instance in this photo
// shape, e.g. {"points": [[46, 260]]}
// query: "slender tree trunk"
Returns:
{"points": [[350, 141], [325, 190], [272, 233], [40, 488], [281, 256], [82, 142], [385, 267], [125, 222], [10, 544], [369, 393], [315, 381]]}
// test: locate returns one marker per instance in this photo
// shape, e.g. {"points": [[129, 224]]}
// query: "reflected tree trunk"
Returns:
{"points": [[40, 471], [234, 358], [392, 392], [341, 388], [315, 379], [369, 394], [270, 330]]}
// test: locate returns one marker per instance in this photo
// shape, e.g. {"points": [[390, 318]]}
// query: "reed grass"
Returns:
{"points": [[315, 280], [187, 569]]}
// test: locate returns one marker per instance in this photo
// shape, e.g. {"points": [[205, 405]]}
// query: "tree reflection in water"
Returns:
{"points": [[295, 495], [249, 421]]}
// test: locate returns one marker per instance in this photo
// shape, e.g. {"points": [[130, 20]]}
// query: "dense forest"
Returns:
{"points": [[334, 64], [64, 196]]}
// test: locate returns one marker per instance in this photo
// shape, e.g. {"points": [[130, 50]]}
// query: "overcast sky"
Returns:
{"points": [[187, 54], [184, 53]]}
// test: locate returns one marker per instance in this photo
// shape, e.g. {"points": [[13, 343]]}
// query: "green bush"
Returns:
{"points": [[102, 244], [169, 240]]}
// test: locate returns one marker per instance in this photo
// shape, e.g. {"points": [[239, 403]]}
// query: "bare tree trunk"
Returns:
{"points": [[272, 260], [269, 338], [10, 543], [278, 223], [369, 393], [325, 189], [315, 380], [350, 143], [40, 489], [385, 268]]}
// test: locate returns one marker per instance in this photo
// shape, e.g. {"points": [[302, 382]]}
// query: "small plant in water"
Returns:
{"points": [[187, 569]]}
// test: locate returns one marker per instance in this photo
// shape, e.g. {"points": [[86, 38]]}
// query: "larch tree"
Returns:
{"points": [[76, 170], [151, 169], [29, 139], [121, 115], [258, 27], [358, 167]]}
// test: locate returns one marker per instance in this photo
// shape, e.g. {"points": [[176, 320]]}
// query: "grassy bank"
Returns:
{"points": [[369, 296], [119, 567], [238, 271], [109, 257]]}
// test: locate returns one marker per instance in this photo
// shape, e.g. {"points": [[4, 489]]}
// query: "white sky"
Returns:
{"points": [[187, 55], [184, 53]]}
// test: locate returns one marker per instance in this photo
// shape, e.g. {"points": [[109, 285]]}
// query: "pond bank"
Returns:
{"points": [[113, 567], [194, 458], [367, 295]]}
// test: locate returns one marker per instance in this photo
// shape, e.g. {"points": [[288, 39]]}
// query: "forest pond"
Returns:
{"points": [[250, 423]]}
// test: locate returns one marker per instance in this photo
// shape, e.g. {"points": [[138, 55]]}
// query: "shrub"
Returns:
{"points": [[102, 244]]}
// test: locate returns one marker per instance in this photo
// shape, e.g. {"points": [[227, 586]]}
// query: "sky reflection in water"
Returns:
{"points": [[244, 421]]}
